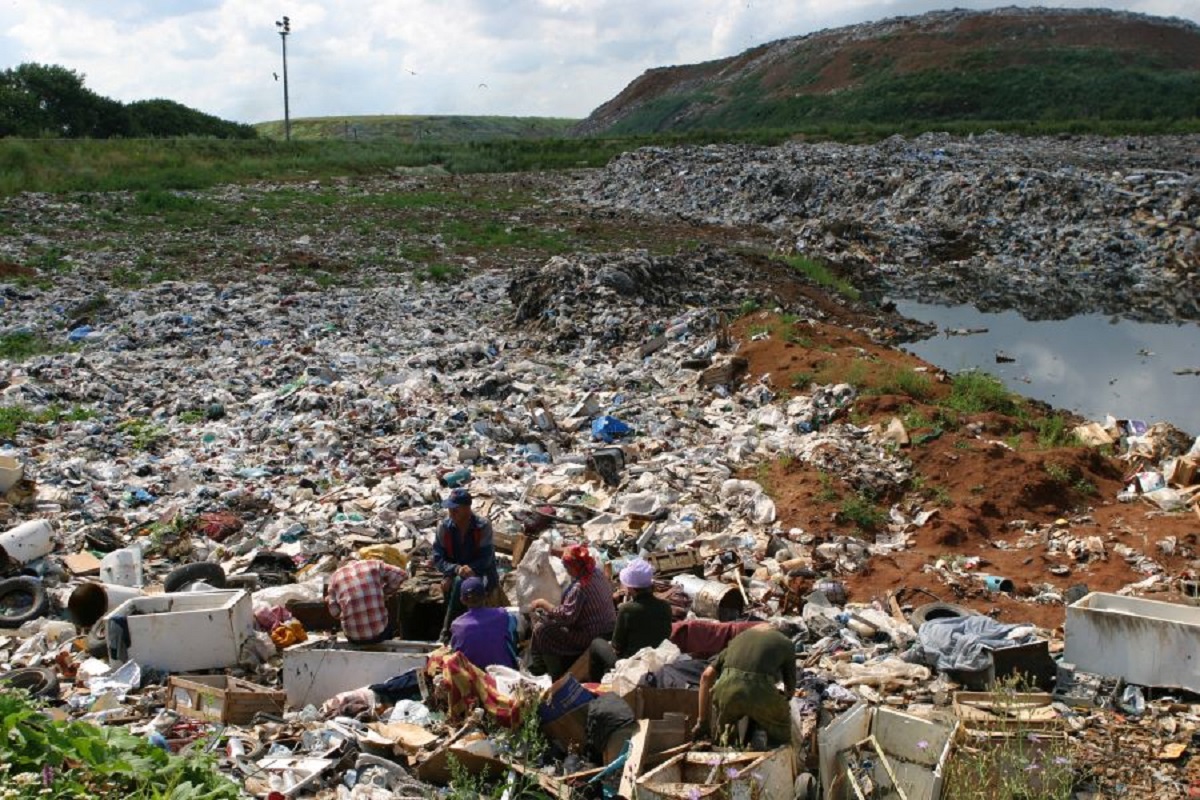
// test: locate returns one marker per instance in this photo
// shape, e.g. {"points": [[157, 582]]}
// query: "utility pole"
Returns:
{"points": [[285, 27]]}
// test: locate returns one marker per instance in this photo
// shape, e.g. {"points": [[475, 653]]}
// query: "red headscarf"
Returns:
{"points": [[579, 562]]}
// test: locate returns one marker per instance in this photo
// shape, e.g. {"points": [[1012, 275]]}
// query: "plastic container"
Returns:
{"points": [[122, 567], [29, 541]]}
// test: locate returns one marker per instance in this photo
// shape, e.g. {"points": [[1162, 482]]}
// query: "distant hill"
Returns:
{"points": [[1006, 64], [441, 129]]}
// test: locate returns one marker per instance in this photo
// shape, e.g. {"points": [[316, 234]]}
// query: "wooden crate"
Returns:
{"points": [[220, 698]]}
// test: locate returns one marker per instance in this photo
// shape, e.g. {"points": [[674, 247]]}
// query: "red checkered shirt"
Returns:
{"points": [[357, 596]]}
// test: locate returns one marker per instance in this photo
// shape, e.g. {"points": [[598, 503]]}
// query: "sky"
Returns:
{"points": [[544, 58]]}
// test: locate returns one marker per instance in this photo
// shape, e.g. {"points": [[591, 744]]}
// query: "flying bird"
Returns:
{"points": [[276, 74], [409, 71], [483, 86]]}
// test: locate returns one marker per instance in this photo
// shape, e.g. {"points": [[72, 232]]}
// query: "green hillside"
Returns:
{"points": [[1009, 65], [419, 129]]}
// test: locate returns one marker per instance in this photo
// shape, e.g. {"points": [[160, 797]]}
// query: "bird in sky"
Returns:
{"points": [[276, 74], [409, 71], [483, 86]]}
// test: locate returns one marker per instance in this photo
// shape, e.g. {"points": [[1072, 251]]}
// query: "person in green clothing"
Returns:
{"points": [[741, 682], [642, 621]]}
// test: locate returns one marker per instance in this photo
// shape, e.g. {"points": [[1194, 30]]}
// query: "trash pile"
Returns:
{"points": [[190, 474], [1049, 227]]}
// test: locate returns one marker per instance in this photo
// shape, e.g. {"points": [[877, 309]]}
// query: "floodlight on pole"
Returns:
{"points": [[284, 27]]}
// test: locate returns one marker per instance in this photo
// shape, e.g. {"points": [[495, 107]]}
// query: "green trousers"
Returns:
{"points": [[740, 694]]}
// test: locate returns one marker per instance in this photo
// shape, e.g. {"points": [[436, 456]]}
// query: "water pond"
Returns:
{"points": [[1091, 364]]}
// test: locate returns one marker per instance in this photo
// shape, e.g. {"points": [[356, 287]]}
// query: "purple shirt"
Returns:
{"points": [[485, 636]]}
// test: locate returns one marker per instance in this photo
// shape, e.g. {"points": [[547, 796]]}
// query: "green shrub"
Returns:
{"points": [[973, 392], [1053, 431], [860, 509], [821, 275]]}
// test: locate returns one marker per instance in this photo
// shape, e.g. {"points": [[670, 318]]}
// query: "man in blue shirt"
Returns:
{"points": [[462, 548], [485, 636]]}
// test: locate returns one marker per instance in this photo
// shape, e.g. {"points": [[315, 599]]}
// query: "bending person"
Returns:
{"points": [[741, 683], [486, 636]]}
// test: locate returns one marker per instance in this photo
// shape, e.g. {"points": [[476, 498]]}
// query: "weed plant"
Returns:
{"points": [[973, 392], [1010, 760], [41, 757]]}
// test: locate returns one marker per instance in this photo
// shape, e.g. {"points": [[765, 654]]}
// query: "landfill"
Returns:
{"points": [[205, 452], [1050, 227]]}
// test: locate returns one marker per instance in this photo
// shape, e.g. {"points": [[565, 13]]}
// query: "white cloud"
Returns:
{"points": [[535, 57]]}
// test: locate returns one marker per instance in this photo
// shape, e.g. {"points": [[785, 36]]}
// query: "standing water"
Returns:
{"points": [[1091, 364]]}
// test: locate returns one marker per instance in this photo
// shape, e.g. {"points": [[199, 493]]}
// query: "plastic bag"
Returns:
{"points": [[535, 577], [887, 675], [628, 672]]}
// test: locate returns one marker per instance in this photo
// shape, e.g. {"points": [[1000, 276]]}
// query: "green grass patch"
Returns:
{"points": [[142, 433], [909, 382], [441, 273], [861, 510], [1055, 431], [821, 275], [975, 392], [21, 345]]}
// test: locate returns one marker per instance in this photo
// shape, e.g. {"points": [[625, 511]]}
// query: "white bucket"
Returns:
{"points": [[29, 541], [122, 567], [10, 473]]}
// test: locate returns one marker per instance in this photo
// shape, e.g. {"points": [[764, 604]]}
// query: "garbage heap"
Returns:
{"points": [[210, 457], [1051, 227]]}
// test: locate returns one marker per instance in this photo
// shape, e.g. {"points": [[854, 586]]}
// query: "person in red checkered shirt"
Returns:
{"points": [[357, 595]]}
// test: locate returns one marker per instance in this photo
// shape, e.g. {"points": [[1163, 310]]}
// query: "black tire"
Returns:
{"points": [[938, 611], [38, 681], [180, 577], [806, 787], [97, 639], [22, 599]]}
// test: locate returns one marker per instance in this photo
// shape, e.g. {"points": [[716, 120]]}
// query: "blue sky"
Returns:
{"points": [[349, 57]]}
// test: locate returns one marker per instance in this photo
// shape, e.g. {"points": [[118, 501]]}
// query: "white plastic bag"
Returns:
{"points": [[535, 577], [628, 672]]}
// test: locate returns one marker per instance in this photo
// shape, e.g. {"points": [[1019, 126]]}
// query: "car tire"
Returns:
{"points": [[21, 600], [806, 787], [38, 681], [97, 639], [938, 611], [180, 577]]}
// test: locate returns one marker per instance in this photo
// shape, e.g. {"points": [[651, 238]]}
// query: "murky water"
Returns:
{"points": [[1093, 364]]}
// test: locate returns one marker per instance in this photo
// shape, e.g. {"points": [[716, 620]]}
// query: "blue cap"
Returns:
{"points": [[471, 586], [457, 499]]}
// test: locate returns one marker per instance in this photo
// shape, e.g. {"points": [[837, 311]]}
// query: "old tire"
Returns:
{"points": [[806, 787], [180, 577], [21, 600], [938, 611], [38, 681], [97, 639]]}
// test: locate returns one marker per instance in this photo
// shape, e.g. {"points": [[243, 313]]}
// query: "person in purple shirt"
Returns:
{"points": [[486, 636]]}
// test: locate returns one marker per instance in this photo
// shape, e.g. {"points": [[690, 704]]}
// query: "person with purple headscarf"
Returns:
{"points": [[642, 621]]}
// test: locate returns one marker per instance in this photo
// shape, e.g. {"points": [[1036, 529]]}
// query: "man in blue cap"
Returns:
{"points": [[462, 548], [486, 636]]}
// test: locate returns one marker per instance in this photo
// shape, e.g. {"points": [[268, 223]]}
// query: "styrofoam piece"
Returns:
{"points": [[122, 567], [318, 669], [184, 631], [11, 471], [29, 541], [916, 749], [1146, 642]]}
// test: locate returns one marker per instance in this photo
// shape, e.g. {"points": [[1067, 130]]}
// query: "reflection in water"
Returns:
{"points": [[1089, 364]]}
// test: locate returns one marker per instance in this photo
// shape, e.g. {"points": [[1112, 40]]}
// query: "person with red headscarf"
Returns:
{"points": [[562, 633]]}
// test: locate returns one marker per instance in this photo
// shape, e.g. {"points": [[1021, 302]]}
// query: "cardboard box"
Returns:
{"points": [[219, 698], [655, 704]]}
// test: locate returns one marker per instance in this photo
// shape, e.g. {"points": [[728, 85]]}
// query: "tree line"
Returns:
{"points": [[44, 100]]}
